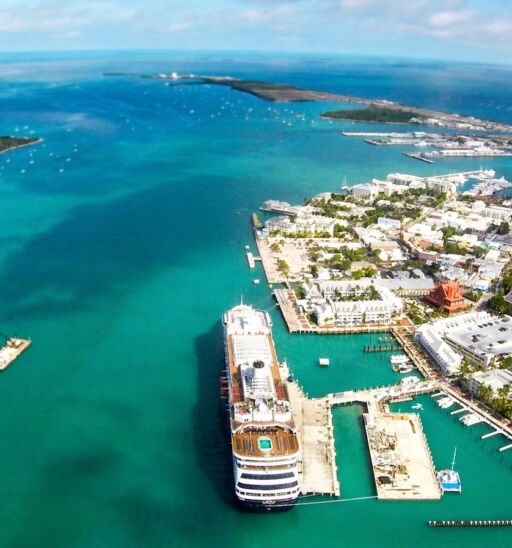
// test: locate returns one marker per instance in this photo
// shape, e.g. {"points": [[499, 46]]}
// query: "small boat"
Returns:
{"points": [[449, 480], [409, 381], [398, 359], [470, 419], [445, 403], [403, 368], [256, 281], [417, 406], [324, 362]]}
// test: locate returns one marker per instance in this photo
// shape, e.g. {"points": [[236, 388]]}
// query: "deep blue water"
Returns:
{"points": [[119, 262]]}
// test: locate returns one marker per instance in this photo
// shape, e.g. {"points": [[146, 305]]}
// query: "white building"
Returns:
{"points": [[334, 303], [303, 222], [365, 191], [441, 353], [496, 379], [479, 337], [387, 223], [498, 213]]}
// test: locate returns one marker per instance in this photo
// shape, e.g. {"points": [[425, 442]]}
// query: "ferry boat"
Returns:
{"points": [[449, 480], [264, 441]]}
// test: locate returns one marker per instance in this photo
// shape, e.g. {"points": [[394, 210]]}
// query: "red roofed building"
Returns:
{"points": [[449, 296]]}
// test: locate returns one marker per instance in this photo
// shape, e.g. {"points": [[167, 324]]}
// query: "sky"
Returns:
{"points": [[468, 30]]}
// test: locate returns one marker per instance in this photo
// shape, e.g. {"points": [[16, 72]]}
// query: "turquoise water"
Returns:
{"points": [[120, 266]]}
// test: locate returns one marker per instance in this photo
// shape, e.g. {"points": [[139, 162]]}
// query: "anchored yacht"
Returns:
{"points": [[263, 438]]}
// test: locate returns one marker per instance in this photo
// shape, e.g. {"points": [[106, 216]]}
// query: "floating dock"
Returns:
{"points": [[418, 157], [382, 347], [251, 259], [11, 350]]}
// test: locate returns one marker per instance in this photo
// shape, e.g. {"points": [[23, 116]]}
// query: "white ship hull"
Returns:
{"points": [[265, 448]]}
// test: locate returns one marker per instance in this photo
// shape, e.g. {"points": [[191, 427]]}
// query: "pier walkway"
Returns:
{"points": [[11, 350], [313, 421], [376, 398]]}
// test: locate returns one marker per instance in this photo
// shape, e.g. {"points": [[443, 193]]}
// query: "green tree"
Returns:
{"points": [[504, 228]]}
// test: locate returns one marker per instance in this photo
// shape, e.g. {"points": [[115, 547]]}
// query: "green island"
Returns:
{"points": [[374, 114], [10, 143]]}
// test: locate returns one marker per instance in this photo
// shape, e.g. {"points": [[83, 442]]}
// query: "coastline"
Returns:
{"points": [[24, 145]]}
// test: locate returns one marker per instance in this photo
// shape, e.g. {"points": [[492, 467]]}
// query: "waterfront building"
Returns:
{"points": [[496, 379], [365, 191], [479, 337], [448, 296], [349, 302], [340, 313], [302, 222], [441, 353]]}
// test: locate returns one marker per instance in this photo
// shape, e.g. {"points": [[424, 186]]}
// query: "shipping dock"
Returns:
{"points": [[313, 421], [11, 350], [402, 464]]}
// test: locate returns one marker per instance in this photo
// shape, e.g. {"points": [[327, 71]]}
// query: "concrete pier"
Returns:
{"points": [[313, 421], [11, 350], [458, 411], [490, 434], [401, 460]]}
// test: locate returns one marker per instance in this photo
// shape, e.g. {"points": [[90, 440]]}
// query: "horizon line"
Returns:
{"points": [[262, 52]]}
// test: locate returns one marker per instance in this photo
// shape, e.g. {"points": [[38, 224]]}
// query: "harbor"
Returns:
{"points": [[409, 465]]}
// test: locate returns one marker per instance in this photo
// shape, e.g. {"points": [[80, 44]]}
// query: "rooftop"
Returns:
{"points": [[492, 336]]}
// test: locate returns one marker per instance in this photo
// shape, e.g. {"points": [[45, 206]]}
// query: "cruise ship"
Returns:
{"points": [[264, 441]]}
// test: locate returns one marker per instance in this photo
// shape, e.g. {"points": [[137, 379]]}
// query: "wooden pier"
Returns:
{"points": [[256, 223], [472, 523], [11, 350], [382, 348]]}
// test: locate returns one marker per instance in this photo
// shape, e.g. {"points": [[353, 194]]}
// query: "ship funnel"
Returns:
{"points": [[259, 375]]}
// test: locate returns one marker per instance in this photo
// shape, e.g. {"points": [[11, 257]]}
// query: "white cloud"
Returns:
{"points": [[450, 18], [179, 27], [59, 17]]}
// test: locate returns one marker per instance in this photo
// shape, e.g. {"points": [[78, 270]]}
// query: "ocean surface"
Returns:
{"points": [[121, 245]]}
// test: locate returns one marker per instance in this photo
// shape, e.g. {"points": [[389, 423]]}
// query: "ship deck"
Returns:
{"points": [[234, 373], [246, 443]]}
